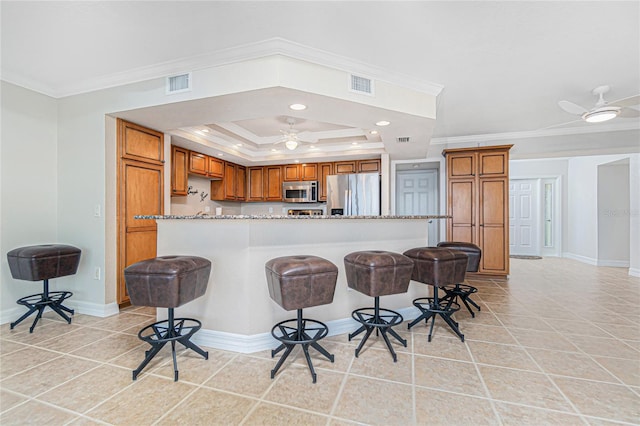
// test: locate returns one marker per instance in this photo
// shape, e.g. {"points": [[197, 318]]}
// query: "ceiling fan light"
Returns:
{"points": [[601, 115], [291, 144]]}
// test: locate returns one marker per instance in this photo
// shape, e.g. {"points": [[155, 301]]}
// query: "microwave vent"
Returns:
{"points": [[403, 139], [179, 83], [361, 84]]}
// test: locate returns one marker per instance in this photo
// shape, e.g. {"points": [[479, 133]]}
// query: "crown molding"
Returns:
{"points": [[535, 134], [260, 49]]}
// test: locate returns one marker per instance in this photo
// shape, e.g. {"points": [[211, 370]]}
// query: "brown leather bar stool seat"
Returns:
{"points": [[42, 263], [459, 291], [168, 282], [297, 282], [378, 273], [437, 267]]}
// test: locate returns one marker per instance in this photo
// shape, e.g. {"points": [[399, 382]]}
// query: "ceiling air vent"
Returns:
{"points": [[360, 84], [178, 83], [404, 139]]}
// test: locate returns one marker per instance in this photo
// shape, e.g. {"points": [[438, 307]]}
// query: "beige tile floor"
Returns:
{"points": [[556, 344]]}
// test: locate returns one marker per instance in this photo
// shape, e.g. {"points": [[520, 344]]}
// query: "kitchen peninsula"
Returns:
{"points": [[236, 312]]}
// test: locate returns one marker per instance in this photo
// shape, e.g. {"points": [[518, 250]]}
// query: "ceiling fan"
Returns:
{"points": [[291, 137], [603, 110]]}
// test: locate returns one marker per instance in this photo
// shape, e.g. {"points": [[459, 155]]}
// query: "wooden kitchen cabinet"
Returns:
{"points": [[215, 168], [344, 167], [324, 170], [179, 179], [478, 203], [232, 186], [368, 166], [198, 163], [272, 183], [299, 172], [255, 184]]}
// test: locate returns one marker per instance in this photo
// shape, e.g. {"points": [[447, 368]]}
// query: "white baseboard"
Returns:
{"points": [[265, 341], [579, 258], [80, 307], [634, 272], [614, 263], [93, 309]]}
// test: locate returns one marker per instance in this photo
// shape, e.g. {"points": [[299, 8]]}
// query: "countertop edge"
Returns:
{"points": [[285, 217]]}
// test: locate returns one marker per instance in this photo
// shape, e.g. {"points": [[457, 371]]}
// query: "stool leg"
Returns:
{"points": [[35, 321], [32, 309], [149, 356], [305, 349], [175, 362], [281, 360]]}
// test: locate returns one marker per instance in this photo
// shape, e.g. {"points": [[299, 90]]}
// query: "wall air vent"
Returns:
{"points": [[179, 83], [404, 139], [359, 84]]}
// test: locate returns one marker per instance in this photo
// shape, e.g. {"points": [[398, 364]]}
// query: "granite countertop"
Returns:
{"points": [[286, 217]]}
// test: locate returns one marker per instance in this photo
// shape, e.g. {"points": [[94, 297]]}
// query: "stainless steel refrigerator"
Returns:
{"points": [[353, 194]]}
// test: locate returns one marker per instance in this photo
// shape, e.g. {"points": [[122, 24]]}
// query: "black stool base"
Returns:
{"points": [[171, 330], [380, 320], [462, 292], [430, 307], [300, 331], [38, 302]]}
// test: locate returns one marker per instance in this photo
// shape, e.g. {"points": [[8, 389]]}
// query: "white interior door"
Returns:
{"points": [[523, 217], [417, 194]]}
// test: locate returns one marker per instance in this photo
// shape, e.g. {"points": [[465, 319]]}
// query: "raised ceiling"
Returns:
{"points": [[502, 67]]}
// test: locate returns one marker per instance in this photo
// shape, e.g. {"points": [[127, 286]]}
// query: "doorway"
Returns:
{"points": [[417, 194], [524, 224]]}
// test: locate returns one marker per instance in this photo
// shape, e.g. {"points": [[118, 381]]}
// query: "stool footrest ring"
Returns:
{"points": [[462, 292], [380, 320], [171, 331], [300, 331], [430, 308], [39, 301]]}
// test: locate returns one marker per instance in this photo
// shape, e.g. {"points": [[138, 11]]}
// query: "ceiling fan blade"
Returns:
{"points": [[553, 126], [627, 102], [572, 108], [629, 113]]}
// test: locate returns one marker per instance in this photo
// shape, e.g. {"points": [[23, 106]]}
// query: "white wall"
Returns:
{"points": [[613, 214], [28, 182], [634, 218], [583, 207]]}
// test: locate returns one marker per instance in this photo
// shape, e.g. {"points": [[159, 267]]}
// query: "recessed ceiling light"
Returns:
{"points": [[205, 130], [238, 144], [220, 154], [312, 147], [383, 123], [374, 132], [354, 143], [273, 150], [297, 107], [296, 161]]}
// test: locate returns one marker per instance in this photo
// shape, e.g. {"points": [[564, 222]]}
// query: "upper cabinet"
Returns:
{"points": [[206, 166], [368, 166], [324, 170], [344, 167], [232, 186], [140, 143], [179, 161], [299, 172]]}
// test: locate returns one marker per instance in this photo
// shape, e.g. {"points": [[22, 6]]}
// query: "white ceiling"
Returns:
{"points": [[502, 67]]}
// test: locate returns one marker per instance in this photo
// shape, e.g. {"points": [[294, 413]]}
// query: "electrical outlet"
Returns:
{"points": [[207, 209], [270, 209], [97, 273]]}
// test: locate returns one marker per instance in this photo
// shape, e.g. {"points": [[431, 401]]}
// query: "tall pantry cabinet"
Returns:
{"points": [[478, 203]]}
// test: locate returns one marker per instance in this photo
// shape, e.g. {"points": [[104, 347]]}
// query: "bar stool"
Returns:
{"points": [[378, 273], [461, 291], [437, 267], [297, 282], [44, 262], [168, 282]]}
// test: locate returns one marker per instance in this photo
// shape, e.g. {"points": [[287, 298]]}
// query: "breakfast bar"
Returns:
{"points": [[236, 312]]}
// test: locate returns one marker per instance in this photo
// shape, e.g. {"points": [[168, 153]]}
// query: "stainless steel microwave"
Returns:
{"points": [[300, 192]]}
